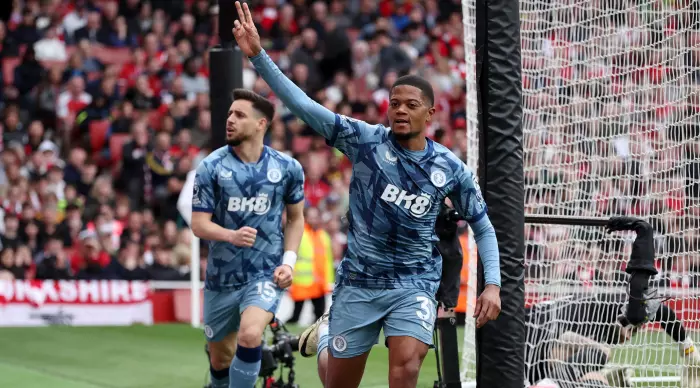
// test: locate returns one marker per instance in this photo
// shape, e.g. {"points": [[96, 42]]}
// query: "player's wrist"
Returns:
{"points": [[289, 258]]}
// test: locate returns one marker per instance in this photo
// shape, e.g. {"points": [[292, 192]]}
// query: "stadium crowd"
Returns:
{"points": [[105, 109], [612, 109]]}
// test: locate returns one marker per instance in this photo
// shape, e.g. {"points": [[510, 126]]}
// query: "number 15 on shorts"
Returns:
{"points": [[267, 290]]}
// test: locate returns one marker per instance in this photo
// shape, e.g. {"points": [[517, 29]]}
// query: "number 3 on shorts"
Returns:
{"points": [[267, 290], [425, 313]]}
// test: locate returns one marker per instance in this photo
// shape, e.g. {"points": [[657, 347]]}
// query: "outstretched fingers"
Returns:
{"points": [[241, 14], [248, 16]]}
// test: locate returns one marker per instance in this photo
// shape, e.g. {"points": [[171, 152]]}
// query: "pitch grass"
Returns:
{"points": [[172, 356], [162, 356]]}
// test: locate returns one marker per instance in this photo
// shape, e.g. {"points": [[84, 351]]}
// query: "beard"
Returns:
{"points": [[234, 142], [405, 136]]}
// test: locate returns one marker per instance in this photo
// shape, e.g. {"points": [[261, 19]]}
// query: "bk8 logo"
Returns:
{"points": [[418, 205], [258, 205]]}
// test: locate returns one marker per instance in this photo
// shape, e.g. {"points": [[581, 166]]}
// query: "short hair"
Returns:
{"points": [[418, 82], [260, 103]]}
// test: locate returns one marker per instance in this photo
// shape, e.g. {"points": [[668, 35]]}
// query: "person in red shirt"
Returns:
{"points": [[184, 146], [90, 260]]}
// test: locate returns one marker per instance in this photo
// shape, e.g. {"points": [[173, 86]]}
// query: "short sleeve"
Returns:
{"points": [[295, 184], [203, 190], [466, 195], [350, 136]]}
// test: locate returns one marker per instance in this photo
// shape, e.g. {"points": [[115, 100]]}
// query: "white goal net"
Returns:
{"points": [[611, 97]]}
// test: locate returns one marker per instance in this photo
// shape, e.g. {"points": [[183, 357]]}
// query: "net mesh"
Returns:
{"points": [[611, 97], [472, 160]]}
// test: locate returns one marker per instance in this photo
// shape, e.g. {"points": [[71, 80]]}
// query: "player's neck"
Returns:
{"points": [[248, 152], [416, 143]]}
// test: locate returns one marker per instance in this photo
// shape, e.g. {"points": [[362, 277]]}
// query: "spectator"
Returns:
{"points": [[89, 261], [50, 47], [313, 273], [163, 265], [52, 262], [93, 30], [625, 148]]}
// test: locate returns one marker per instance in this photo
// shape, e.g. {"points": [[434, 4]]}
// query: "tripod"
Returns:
{"points": [[446, 349]]}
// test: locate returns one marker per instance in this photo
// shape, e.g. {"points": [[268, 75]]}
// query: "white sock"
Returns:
{"points": [[322, 330], [322, 333]]}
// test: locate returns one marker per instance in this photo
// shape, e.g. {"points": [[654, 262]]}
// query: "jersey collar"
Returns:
{"points": [[262, 155], [427, 151]]}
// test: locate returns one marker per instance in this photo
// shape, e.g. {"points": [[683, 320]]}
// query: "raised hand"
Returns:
{"points": [[245, 32]]}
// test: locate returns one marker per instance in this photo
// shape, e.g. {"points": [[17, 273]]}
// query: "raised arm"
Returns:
{"points": [[348, 135], [314, 114]]}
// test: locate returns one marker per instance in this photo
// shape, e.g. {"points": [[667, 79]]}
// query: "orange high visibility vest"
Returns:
{"points": [[314, 268], [464, 275]]}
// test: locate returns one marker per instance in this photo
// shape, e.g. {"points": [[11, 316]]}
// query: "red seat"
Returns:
{"points": [[112, 56], [98, 134], [116, 145]]}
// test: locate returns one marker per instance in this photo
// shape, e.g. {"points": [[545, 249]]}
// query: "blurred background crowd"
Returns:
{"points": [[612, 124], [105, 109]]}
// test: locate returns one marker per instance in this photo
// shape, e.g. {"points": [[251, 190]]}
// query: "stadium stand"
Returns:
{"points": [[105, 108]]}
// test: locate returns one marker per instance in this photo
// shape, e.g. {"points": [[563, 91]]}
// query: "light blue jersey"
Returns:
{"points": [[395, 197], [242, 194]]}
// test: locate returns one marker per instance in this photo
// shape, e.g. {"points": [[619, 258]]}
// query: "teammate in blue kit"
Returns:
{"points": [[240, 193], [390, 274]]}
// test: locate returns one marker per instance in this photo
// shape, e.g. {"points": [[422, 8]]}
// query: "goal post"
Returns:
{"points": [[611, 126]]}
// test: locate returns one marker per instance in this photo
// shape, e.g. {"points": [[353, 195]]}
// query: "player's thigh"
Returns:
{"points": [[221, 321], [408, 327], [345, 372], [354, 321], [258, 309], [221, 313]]}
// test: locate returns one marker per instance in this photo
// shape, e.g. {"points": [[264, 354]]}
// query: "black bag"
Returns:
{"points": [[451, 251]]}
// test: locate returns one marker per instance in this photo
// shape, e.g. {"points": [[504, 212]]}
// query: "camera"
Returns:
{"points": [[447, 222], [279, 354]]}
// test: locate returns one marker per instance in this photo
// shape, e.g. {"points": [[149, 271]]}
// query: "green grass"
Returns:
{"points": [[172, 356], [159, 356]]}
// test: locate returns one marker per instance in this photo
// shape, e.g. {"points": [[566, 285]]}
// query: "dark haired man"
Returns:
{"points": [[240, 192], [391, 271]]}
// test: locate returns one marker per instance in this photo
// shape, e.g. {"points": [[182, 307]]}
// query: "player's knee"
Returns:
{"points": [[220, 359], [405, 372], [250, 336]]}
